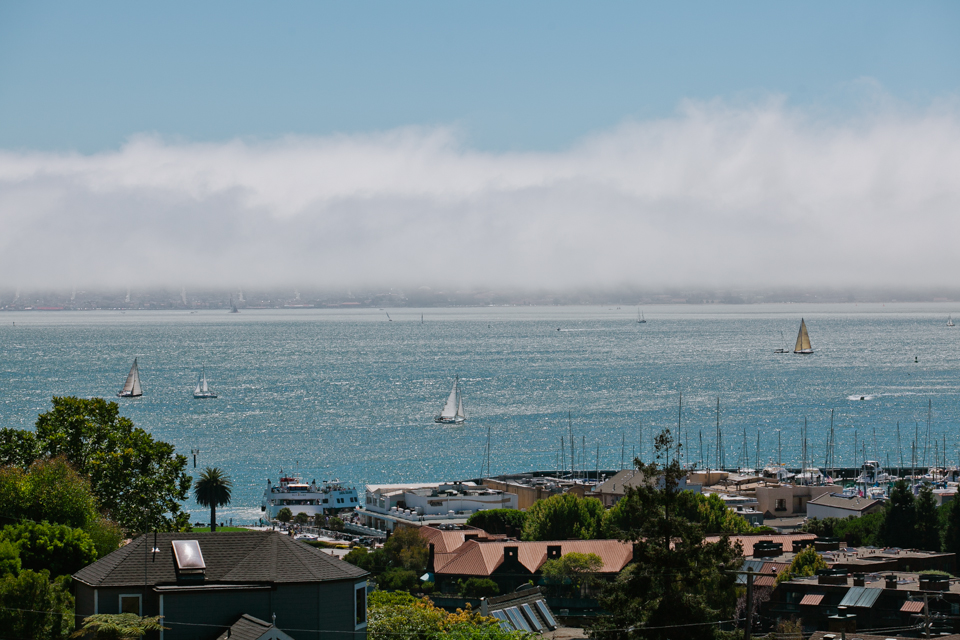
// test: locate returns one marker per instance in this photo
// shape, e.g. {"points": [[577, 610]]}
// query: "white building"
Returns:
{"points": [[836, 505], [387, 505]]}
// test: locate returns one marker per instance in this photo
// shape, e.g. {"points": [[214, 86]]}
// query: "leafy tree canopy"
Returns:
{"points": [[285, 515], [805, 563], [928, 532], [497, 520], [479, 588], [47, 490], [138, 481], [57, 548], [398, 614], [563, 517], [951, 534], [574, 568], [35, 607], [675, 577], [407, 549]]}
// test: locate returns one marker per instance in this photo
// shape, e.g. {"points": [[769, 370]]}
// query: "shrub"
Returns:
{"points": [[479, 588], [397, 579]]}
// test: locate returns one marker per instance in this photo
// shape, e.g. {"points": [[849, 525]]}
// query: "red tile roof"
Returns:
{"points": [[449, 540], [476, 558], [912, 606], [812, 599]]}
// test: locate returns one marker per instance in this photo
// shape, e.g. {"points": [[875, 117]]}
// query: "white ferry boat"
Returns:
{"points": [[312, 499]]}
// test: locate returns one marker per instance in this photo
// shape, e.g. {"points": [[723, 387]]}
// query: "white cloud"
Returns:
{"points": [[717, 195]]}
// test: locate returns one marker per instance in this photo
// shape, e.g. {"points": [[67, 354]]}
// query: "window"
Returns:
{"points": [[781, 504], [361, 604], [130, 603]]}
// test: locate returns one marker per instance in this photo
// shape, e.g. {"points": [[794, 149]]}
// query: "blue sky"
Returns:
{"points": [[541, 144], [508, 75]]}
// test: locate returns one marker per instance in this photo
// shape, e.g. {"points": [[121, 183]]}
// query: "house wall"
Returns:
{"points": [[526, 495], [795, 499], [301, 609], [821, 511]]}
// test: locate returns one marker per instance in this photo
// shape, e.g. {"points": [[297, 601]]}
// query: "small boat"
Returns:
{"points": [[452, 412], [950, 321], [640, 318], [803, 340], [202, 390], [131, 388], [781, 349]]}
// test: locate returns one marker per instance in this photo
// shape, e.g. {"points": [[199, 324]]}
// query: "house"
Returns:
{"points": [[837, 505], [511, 563], [206, 583], [781, 501]]}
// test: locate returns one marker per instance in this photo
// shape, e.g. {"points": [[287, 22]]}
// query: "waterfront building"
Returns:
{"points": [[387, 506]]}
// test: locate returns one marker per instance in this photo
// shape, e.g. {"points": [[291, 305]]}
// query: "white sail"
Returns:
{"points": [[131, 388], [202, 390], [199, 388], [803, 340], [453, 408]]}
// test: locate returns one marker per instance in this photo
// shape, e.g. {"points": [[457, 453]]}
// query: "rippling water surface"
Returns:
{"points": [[346, 394]]}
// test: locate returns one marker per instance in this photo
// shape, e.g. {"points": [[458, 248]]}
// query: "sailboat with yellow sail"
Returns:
{"points": [[803, 340]]}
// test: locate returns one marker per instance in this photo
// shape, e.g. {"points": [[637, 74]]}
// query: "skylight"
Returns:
{"points": [[188, 556]]}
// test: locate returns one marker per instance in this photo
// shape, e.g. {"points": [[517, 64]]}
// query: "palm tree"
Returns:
{"points": [[212, 490]]}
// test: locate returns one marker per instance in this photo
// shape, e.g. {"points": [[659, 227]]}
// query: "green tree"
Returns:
{"points": [[9, 559], [301, 518], [117, 626], [478, 588], [407, 549], [805, 563], [47, 490], [710, 512], [335, 524], [928, 523], [398, 579], [376, 561], [675, 576], [212, 489], [951, 534], [31, 606], [18, 448], [285, 515], [900, 517], [496, 521], [574, 568], [563, 517], [59, 549], [138, 481], [393, 615]]}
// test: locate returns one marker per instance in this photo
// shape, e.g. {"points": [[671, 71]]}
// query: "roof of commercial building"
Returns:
{"points": [[748, 541], [840, 501], [230, 557]]}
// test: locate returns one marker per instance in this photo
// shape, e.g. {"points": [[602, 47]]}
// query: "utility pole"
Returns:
{"points": [[749, 622]]}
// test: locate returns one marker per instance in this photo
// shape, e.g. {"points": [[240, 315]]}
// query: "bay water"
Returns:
{"points": [[348, 394]]}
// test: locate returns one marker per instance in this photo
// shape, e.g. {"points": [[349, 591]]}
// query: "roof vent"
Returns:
{"points": [[188, 557]]}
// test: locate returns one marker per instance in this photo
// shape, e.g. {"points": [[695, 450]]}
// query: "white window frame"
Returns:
{"points": [[357, 587], [139, 598]]}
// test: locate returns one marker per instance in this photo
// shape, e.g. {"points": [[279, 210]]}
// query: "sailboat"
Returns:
{"points": [[640, 318], [131, 388], [452, 412], [803, 340], [781, 349], [950, 321], [202, 390]]}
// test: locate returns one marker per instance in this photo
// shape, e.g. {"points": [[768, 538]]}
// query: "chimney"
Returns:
{"points": [[430, 567], [890, 581], [554, 552], [470, 536]]}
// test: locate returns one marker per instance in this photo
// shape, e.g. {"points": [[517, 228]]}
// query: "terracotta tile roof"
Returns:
{"points": [[482, 558], [811, 599], [237, 558], [912, 606], [747, 541], [448, 540], [765, 581]]}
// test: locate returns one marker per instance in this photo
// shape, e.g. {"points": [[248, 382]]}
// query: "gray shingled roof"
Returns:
{"points": [[234, 558], [250, 628]]}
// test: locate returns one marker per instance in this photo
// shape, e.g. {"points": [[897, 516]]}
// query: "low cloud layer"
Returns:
{"points": [[761, 195]]}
